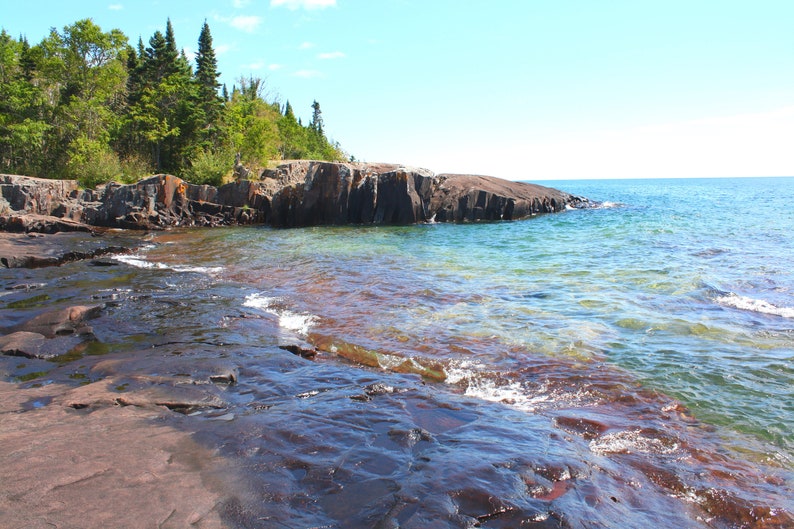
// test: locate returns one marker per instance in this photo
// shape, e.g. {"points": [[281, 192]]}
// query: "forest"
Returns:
{"points": [[85, 104]]}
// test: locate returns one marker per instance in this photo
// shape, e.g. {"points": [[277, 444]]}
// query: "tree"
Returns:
{"points": [[85, 104], [317, 118], [163, 117], [207, 75]]}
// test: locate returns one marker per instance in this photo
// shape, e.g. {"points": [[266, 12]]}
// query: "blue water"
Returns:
{"points": [[694, 280], [685, 284]]}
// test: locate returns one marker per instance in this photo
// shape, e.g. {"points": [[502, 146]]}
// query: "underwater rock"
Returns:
{"points": [[36, 345], [63, 322]]}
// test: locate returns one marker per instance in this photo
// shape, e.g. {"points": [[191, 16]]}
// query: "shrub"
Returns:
{"points": [[209, 167], [91, 163]]}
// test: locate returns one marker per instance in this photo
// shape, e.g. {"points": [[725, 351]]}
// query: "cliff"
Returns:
{"points": [[298, 193]]}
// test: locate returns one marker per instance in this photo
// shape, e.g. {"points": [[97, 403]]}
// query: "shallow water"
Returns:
{"points": [[626, 365]]}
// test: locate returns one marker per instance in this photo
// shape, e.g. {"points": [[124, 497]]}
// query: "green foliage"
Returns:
{"points": [[85, 104], [209, 167], [92, 163]]}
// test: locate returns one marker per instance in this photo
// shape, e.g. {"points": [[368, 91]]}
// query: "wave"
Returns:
{"points": [[754, 305], [482, 385], [139, 262], [291, 321], [596, 205], [632, 441]]}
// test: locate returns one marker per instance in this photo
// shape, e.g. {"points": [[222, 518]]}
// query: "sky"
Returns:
{"points": [[520, 89]]}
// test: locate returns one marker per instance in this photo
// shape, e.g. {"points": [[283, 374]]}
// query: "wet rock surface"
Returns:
{"points": [[300, 193], [188, 408], [35, 250]]}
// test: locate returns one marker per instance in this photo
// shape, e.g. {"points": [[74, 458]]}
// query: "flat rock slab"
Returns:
{"points": [[112, 467], [141, 392], [38, 250], [36, 345]]}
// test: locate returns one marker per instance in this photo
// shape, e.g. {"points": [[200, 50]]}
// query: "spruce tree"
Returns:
{"points": [[207, 75], [317, 118]]}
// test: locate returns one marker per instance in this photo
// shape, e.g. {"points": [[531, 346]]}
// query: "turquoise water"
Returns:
{"points": [[685, 284]]}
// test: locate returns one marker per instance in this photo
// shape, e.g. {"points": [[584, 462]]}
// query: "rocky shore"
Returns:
{"points": [[147, 391], [298, 193], [77, 422]]}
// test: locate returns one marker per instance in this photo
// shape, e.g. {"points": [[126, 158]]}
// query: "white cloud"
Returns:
{"points": [[307, 74], [306, 46], [247, 23], [331, 55], [239, 4], [220, 49], [261, 65], [303, 4], [115, 7]]}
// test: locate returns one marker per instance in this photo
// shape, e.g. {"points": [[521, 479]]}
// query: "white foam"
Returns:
{"points": [[513, 393], [630, 441], [754, 305], [139, 262], [287, 320]]}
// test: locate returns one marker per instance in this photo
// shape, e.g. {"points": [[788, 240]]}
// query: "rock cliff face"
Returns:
{"points": [[300, 193]]}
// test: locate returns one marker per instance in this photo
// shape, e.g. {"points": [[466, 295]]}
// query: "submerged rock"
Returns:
{"points": [[298, 193]]}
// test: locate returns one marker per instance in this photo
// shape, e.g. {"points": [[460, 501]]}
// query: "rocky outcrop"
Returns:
{"points": [[336, 193], [459, 198], [164, 201], [298, 193]]}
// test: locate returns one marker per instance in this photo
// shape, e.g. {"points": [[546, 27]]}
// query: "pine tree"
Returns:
{"points": [[171, 52], [26, 61], [207, 75], [317, 118]]}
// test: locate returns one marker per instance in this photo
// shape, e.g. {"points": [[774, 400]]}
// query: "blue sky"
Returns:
{"points": [[522, 89]]}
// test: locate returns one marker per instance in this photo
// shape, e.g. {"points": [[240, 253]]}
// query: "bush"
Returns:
{"points": [[209, 167], [91, 163], [135, 168]]}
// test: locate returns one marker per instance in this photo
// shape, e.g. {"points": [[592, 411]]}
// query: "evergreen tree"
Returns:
{"points": [[171, 52], [317, 118], [207, 76], [27, 62]]}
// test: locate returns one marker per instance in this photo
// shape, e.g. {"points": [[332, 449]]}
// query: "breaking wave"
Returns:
{"points": [[139, 262], [754, 305], [287, 320]]}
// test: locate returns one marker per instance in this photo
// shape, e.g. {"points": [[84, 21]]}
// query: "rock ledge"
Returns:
{"points": [[297, 193]]}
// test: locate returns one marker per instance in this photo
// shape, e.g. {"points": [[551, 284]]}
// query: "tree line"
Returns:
{"points": [[84, 104]]}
